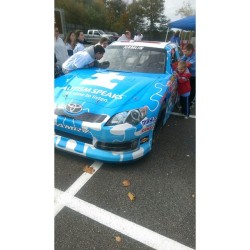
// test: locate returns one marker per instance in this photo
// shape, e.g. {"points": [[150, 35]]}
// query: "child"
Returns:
{"points": [[183, 75]]}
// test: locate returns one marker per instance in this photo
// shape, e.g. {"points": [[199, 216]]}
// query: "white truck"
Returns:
{"points": [[93, 36]]}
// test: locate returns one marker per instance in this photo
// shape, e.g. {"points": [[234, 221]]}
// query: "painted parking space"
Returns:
{"points": [[164, 185]]}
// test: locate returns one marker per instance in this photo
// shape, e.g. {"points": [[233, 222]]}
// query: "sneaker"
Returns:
{"points": [[186, 117], [179, 106]]}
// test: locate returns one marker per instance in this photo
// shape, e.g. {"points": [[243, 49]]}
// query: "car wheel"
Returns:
{"points": [[159, 122]]}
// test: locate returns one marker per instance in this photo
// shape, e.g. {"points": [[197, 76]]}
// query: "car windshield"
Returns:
{"points": [[132, 58], [101, 32]]}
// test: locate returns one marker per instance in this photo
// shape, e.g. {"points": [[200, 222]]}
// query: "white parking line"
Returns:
{"points": [[179, 114], [115, 222], [74, 188]]}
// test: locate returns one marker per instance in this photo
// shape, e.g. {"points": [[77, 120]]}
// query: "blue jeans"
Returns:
{"points": [[185, 106]]}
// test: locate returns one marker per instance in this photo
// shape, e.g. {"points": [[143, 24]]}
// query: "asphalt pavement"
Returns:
{"points": [[99, 214]]}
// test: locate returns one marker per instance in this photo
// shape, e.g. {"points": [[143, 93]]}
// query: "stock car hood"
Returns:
{"points": [[98, 89]]}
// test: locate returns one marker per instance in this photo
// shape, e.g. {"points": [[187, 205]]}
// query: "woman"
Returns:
{"points": [[70, 42], [79, 41]]}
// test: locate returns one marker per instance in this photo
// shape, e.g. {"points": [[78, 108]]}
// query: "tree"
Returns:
{"points": [[96, 14], [136, 17], [154, 14], [116, 15], [115, 10], [185, 10]]}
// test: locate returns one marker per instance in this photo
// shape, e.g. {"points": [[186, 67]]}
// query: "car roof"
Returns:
{"points": [[151, 44]]}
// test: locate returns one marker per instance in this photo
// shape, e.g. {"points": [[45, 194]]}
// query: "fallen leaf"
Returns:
{"points": [[118, 238], [126, 183], [131, 196], [88, 169]]}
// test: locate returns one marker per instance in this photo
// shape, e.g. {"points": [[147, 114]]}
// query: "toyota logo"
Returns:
{"points": [[73, 108]]}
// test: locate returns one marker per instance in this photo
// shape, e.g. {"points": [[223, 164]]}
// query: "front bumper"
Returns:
{"points": [[89, 151]]}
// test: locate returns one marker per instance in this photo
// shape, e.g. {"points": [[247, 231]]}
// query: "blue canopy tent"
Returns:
{"points": [[187, 23]]}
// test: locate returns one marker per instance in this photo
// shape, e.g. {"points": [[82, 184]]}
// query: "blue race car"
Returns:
{"points": [[114, 114]]}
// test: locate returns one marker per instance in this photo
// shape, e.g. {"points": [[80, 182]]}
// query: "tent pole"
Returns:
{"points": [[167, 35], [181, 38]]}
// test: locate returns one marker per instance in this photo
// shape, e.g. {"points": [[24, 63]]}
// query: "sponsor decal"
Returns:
{"points": [[133, 47], [94, 93], [73, 108], [148, 121], [71, 128], [144, 139], [147, 129], [103, 80]]}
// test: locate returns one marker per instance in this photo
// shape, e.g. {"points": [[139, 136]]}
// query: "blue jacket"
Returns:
{"points": [[175, 39], [191, 59]]}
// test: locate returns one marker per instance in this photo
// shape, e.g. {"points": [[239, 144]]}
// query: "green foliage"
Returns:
{"points": [[116, 15]]}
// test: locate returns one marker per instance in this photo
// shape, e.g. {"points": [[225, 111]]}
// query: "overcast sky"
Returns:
{"points": [[172, 5]]}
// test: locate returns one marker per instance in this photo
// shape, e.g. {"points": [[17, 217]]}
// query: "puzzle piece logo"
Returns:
{"points": [[103, 80]]}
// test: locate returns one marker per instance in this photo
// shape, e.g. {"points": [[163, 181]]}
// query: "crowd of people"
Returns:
{"points": [[186, 78], [185, 73], [71, 54]]}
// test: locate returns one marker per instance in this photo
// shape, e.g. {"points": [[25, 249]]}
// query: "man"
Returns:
{"points": [[125, 37], [83, 59], [138, 37], [103, 42], [60, 49]]}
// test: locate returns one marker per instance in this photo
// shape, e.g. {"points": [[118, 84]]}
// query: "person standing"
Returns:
{"points": [[83, 59], [138, 37], [70, 42], [190, 59], [79, 41], [125, 37], [182, 74], [60, 49], [176, 38], [103, 42]]}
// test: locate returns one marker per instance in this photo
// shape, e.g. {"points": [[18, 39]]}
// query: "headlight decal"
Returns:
{"points": [[133, 117], [120, 129]]}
